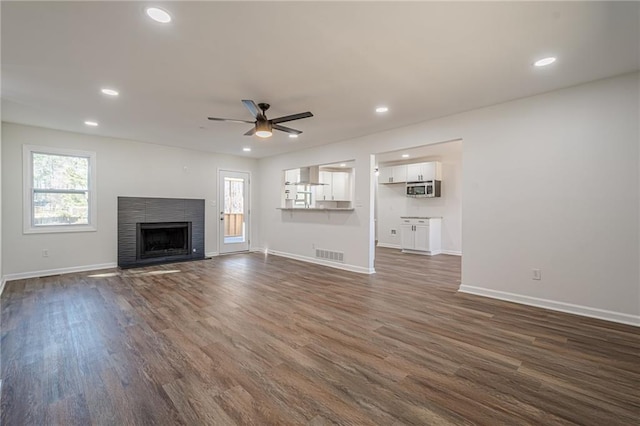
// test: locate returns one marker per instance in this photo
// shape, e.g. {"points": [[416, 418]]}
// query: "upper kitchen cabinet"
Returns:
{"points": [[393, 174], [291, 176], [336, 186], [420, 172]]}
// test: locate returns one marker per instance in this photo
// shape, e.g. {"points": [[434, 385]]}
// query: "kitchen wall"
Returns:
{"points": [[125, 168], [549, 182], [393, 203]]}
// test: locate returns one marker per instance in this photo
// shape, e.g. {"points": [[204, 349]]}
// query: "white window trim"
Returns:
{"points": [[27, 184]]}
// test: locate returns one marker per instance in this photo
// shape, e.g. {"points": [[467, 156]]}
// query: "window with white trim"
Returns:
{"points": [[59, 190]]}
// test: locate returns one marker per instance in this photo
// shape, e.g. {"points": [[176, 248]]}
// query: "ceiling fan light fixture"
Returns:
{"points": [[263, 129]]}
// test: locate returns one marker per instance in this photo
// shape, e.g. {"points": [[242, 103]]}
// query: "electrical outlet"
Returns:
{"points": [[536, 274], [45, 253], [393, 232]]}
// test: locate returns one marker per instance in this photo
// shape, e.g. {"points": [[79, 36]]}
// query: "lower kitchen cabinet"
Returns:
{"points": [[421, 235]]}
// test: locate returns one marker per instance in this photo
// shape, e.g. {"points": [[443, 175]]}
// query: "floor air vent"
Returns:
{"points": [[333, 256]]}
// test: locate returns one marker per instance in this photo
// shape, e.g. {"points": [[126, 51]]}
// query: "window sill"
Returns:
{"points": [[52, 229]]}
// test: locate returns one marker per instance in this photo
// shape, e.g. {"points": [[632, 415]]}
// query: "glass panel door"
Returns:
{"points": [[234, 220]]}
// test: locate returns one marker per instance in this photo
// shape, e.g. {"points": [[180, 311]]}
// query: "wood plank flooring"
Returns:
{"points": [[252, 339]]}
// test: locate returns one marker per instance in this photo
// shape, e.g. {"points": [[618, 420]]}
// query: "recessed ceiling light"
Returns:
{"points": [[158, 15], [405, 155], [382, 109], [246, 149], [109, 92], [544, 61], [91, 123], [293, 136], [343, 165]]}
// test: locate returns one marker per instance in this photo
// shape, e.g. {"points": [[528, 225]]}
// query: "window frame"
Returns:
{"points": [[29, 191]]}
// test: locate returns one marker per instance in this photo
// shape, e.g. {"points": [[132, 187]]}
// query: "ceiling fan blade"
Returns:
{"points": [[286, 129], [251, 132], [230, 120], [253, 108], [291, 117]]}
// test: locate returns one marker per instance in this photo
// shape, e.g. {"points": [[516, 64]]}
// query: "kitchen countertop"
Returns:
{"points": [[420, 217]]}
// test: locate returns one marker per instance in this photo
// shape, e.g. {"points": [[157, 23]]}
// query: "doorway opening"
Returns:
{"points": [[398, 210]]}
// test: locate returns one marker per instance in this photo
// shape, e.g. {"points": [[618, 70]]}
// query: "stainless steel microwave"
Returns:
{"points": [[428, 189]]}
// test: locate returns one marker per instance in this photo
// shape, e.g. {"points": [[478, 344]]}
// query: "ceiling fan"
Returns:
{"points": [[262, 126]]}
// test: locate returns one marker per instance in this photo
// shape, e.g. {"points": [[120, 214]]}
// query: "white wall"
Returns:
{"points": [[2, 281], [299, 233], [551, 182], [548, 182], [125, 168], [392, 201]]}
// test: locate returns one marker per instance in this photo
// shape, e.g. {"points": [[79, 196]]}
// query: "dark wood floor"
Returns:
{"points": [[255, 339]]}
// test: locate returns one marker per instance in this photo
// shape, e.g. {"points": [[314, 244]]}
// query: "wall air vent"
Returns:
{"points": [[333, 256]]}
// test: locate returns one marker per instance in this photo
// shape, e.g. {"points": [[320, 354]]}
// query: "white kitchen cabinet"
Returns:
{"points": [[292, 176], [421, 235], [337, 186], [420, 172], [340, 186], [323, 191], [392, 174]]}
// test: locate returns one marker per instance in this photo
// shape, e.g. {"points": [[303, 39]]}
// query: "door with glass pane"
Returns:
{"points": [[234, 211]]}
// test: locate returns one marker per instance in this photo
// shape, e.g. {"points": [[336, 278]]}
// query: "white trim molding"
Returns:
{"points": [[553, 305], [391, 246], [251, 250], [49, 272], [28, 226], [452, 252], [3, 281], [343, 266]]}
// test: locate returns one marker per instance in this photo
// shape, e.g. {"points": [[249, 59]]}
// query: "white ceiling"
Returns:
{"points": [[337, 59]]}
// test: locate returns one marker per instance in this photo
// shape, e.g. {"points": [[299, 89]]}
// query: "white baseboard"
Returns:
{"points": [[386, 245], [49, 272], [343, 266], [553, 305], [397, 246], [252, 250], [3, 281]]}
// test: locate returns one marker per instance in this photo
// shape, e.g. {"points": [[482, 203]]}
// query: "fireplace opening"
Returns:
{"points": [[163, 239]]}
